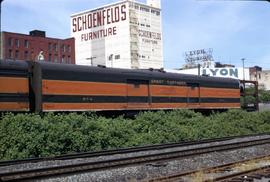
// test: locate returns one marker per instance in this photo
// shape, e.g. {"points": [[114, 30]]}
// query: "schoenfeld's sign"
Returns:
{"points": [[100, 23]]}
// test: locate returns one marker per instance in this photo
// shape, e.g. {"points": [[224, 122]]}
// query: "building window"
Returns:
{"points": [[17, 43], [16, 54], [134, 55], [134, 44], [32, 56], [26, 43], [26, 55], [55, 47], [63, 59], [155, 12], [10, 42], [117, 56], [55, 58], [144, 9], [10, 56], [50, 57], [110, 57], [131, 5], [68, 60], [63, 47], [49, 47], [69, 48]]}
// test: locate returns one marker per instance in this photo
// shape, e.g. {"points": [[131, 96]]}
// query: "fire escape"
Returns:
{"points": [[134, 39]]}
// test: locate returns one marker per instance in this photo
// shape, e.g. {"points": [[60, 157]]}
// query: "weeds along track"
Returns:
{"points": [[105, 160], [246, 170]]}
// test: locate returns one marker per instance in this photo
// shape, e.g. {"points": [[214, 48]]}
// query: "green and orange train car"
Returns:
{"points": [[43, 87]]}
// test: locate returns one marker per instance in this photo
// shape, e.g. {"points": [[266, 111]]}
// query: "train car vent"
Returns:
{"points": [[101, 66]]}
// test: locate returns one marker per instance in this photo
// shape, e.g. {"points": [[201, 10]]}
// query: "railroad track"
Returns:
{"points": [[123, 150], [245, 170], [162, 153], [118, 151]]}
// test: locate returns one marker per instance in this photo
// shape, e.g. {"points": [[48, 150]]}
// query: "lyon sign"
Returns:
{"points": [[226, 72]]}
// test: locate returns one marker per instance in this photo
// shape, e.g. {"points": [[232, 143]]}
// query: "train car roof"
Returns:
{"points": [[140, 74], [13, 68], [70, 71]]}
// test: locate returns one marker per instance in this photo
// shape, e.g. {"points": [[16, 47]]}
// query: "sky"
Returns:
{"points": [[233, 29]]}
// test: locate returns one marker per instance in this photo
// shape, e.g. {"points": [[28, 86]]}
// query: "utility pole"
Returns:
{"points": [[243, 61], [1, 30], [91, 59]]}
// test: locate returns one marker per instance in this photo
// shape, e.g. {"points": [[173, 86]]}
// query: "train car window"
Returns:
{"points": [[193, 86], [136, 85]]}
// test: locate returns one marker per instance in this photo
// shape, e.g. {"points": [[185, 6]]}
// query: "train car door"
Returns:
{"points": [[193, 95], [138, 95]]}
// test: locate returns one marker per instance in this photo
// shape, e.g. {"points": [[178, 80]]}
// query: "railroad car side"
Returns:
{"points": [[80, 88], [83, 88], [220, 93], [14, 86], [172, 91]]}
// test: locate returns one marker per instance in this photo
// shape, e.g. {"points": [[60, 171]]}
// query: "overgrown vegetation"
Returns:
{"points": [[30, 135], [264, 96]]}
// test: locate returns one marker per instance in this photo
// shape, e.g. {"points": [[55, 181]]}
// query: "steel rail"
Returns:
{"points": [[217, 169], [123, 150], [243, 173], [125, 161]]}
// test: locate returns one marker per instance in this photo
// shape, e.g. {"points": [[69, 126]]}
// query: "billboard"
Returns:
{"points": [[99, 34], [126, 34], [99, 23], [236, 73]]}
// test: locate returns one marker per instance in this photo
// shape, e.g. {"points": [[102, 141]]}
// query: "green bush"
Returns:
{"points": [[264, 96], [31, 135]]}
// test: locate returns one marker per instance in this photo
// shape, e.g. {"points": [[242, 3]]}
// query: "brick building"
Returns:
{"points": [[37, 47]]}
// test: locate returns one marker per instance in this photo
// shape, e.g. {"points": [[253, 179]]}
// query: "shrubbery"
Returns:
{"points": [[30, 135], [264, 96]]}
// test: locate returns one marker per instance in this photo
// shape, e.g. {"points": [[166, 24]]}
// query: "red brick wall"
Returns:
{"points": [[25, 47]]}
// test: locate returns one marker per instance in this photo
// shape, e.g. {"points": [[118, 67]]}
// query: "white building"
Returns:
{"points": [[263, 78], [126, 34]]}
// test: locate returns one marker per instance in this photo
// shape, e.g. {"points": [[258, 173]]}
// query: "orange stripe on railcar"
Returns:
{"points": [[14, 85], [83, 106], [60, 87], [219, 92], [14, 106]]}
